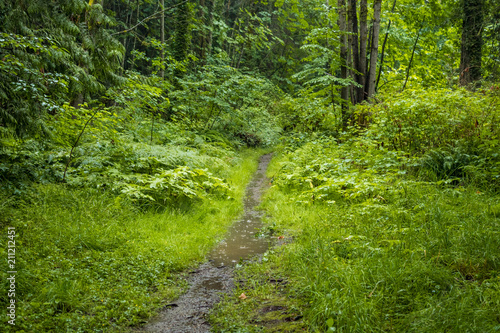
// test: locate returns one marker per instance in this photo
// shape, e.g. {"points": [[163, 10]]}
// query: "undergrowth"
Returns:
{"points": [[381, 229], [88, 262]]}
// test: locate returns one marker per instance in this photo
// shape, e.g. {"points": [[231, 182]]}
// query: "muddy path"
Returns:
{"points": [[189, 314]]}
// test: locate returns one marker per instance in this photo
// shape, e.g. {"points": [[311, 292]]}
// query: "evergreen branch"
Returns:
{"points": [[150, 17]]}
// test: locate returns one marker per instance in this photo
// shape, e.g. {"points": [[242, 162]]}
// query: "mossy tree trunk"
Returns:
{"points": [[344, 93], [352, 24], [472, 41], [363, 37], [182, 37], [377, 8]]}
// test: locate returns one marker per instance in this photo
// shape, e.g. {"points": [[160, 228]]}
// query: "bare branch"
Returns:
{"points": [[150, 17]]}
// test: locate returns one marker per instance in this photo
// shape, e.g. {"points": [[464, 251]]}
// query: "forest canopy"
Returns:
{"points": [[143, 119], [73, 52]]}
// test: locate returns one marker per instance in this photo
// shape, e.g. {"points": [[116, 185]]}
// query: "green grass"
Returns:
{"points": [[88, 262], [414, 257]]}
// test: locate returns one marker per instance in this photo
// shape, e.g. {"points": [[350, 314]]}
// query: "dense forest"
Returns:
{"points": [[130, 128]]}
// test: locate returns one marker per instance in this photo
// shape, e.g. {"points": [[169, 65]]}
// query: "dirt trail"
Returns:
{"points": [[189, 313]]}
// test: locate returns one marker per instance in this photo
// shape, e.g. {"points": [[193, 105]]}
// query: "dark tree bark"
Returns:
{"points": [[353, 28], [377, 8], [135, 37], [363, 35], [472, 41], [162, 39], [344, 92], [210, 7], [182, 38]]}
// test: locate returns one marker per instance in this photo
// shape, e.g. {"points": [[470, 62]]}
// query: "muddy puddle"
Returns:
{"points": [[189, 314]]}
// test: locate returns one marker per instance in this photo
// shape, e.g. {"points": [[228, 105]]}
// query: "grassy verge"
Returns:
{"points": [[380, 252], [88, 262]]}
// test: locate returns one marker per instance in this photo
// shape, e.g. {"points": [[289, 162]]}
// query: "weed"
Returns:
{"points": [[89, 262], [375, 248]]}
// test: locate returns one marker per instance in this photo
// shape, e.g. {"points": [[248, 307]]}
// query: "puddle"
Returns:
{"points": [[240, 243], [189, 313]]}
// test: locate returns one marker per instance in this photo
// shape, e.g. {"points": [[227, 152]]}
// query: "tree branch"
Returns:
{"points": [[150, 17]]}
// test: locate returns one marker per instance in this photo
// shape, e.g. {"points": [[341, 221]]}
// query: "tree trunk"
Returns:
{"points": [[182, 35], [383, 47], [344, 92], [125, 39], [472, 41], [353, 28], [162, 39], [377, 8], [363, 32]]}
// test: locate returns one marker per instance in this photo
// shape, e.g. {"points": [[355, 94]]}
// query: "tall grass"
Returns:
{"points": [[89, 262], [428, 263], [406, 256]]}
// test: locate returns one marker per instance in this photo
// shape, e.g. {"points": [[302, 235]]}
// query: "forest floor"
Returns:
{"points": [[212, 279], [385, 251]]}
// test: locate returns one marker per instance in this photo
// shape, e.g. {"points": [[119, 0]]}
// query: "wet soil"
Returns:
{"points": [[189, 314]]}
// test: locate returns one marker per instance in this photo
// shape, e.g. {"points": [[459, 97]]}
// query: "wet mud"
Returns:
{"points": [[189, 314]]}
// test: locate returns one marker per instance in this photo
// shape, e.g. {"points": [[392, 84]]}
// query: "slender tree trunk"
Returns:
{"points": [[344, 92], [242, 51], [411, 59], [76, 143], [472, 41], [383, 47], [182, 35], [162, 31], [353, 28], [368, 50], [350, 73], [202, 37], [363, 32], [377, 8]]}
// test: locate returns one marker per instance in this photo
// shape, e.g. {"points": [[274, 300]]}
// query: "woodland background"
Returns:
{"points": [[129, 128]]}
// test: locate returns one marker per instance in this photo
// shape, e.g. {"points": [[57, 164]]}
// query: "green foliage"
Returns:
{"points": [[155, 175], [169, 186], [50, 57], [319, 76], [90, 262], [455, 130], [354, 171], [143, 95], [23, 163], [369, 246], [307, 114], [182, 28], [223, 99], [437, 53], [422, 119], [447, 163], [27, 94], [394, 217]]}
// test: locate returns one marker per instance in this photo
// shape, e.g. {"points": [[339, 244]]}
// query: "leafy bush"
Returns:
{"points": [[373, 246], [172, 186], [419, 120], [447, 163], [223, 99], [306, 114], [356, 170]]}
